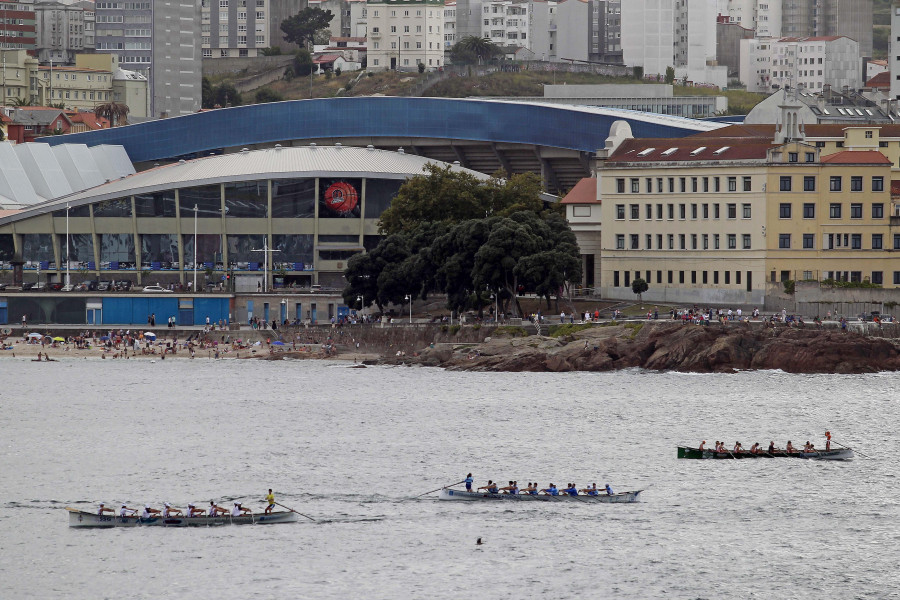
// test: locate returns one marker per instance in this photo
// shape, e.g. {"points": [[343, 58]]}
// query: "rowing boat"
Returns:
{"points": [[80, 518], [837, 454], [449, 494]]}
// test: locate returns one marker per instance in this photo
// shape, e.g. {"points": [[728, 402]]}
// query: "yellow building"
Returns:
{"points": [[721, 220], [18, 71], [75, 87]]}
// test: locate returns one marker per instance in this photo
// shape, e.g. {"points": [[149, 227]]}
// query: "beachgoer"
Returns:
{"points": [[104, 509], [469, 481], [270, 498]]}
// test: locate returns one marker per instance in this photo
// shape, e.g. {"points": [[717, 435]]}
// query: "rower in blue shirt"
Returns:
{"points": [[490, 488], [591, 491], [469, 481], [571, 490], [609, 491], [552, 491]]}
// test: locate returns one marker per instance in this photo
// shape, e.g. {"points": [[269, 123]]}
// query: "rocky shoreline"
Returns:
{"points": [[667, 346]]}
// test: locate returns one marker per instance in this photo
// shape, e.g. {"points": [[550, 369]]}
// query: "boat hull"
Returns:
{"points": [[622, 497], [696, 453], [80, 518]]}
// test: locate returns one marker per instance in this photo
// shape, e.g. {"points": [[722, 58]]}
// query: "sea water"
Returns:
{"points": [[352, 448]]}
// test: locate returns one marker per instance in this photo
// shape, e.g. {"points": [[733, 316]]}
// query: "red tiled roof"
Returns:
{"points": [[881, 81], [584, 192], [895, 187], [326, 58], [856, 157], [4, 118], [690, 149], [823, 38], [89, 119], [825, 130], [347, 39]]}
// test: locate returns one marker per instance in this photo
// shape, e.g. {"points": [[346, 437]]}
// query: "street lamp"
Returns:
{"points": [[195, 249], [68, 278], [496, 299], [409, 299]]}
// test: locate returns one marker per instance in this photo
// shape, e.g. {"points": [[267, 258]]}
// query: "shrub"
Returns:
{"points": [[511, 330], [567, 329], [454, 329]]}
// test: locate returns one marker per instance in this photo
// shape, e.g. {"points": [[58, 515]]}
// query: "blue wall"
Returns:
{"points": [[447, 118], [134, 311]]}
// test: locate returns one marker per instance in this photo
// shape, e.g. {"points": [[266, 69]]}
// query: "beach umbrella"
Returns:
{"points": [[36, 335], [277, 343], [104, 338], [59, 339], [150, 335]]}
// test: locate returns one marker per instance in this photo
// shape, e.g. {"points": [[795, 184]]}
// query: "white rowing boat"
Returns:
{"points": [[450, 494], [80, 518]]}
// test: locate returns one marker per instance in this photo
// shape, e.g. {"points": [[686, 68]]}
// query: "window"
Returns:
{"points": [[715, 278], [868, 135], [897, 241], [694, 184], [834, 211], [635, 185], [693, 241], [878, 211], [856, 211], [659, 211], [715, 241], [732, 211], [671, 185], [715, 211], [634, 241], [785, 183], [649, 181], [682, 183], [727, 277], [649, 211], [620, 185], [693, 211], [694, 277], [877, 277], [706, 184], [808, 242], [746, 184], [732, 241], [716, 184], [671, 241], [856, 183], [680, 276], [671, 273], [659, 188], [793, 157], [635, 211], [746, 241], [732, 184], [878, 184], [809, 183], [747, 210], [620, 241], [706, 211], [659, 241], [896, 278], [682, 212], [856, 241], [835, 183], [809, 210], [810, 157], [877, 241], [620, 211], [784, 240], [784, 211], [671, 208], [681, 241], [705, 241]]}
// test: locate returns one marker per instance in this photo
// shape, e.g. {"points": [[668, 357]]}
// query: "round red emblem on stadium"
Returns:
{"points": [[341, 197]]}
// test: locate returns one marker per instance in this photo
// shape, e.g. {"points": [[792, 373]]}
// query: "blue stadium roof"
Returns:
{"points": [[574, 128]]}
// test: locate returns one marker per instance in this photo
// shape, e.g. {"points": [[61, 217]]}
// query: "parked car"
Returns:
{"points": [[87, 286], [3, 286], [69, 288], [156, 288], [124, 285], [104, 286], [27, 286], [40, 286], [55, 286]]}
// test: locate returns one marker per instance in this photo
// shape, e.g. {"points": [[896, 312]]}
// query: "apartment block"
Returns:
{"points": [[806, 63], [17, 25], [176, 67], [60, 32], [234, 28], [404, 34]]}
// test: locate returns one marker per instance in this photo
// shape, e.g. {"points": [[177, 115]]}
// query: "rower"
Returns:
{"points": [[827, 441], [270, 498], [491, 487], [469, 481], [702, 444], [592, 491], [772, 447], [789, 448], [551, 491], [509, 489], [807, 447], [571, 490], [149, 513], [168, 511], [193, 511], [754, 449], [532, 489], [104, 509], [239, 510], [738, 447], [609, 491], [215, 510], [123, 512]]}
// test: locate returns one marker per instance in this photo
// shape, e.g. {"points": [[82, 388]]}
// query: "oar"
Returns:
{"points": [[440, 488], [294, 511], [849, 448]]}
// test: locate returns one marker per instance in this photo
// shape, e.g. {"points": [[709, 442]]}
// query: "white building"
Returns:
{"points": [[404, 34], [234, 29], [506, 22], [648, 35], [809, 63], [359, 14], [450, 23], [762, 16], [895, 56], [695, 43], [60, 32]]}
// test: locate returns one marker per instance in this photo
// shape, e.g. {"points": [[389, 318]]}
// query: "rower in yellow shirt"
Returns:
{"points": [[270, 498]]}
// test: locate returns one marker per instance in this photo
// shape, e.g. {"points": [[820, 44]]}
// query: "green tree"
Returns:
{"points": [[483, 48], [273, 51], [207, 93], [421, 67], [639, 286], [303, 64], [2, 135], [114, 112], [637, 72], [302, 27], [460, 55], [227, 95], [670, 75], [267, 95]]}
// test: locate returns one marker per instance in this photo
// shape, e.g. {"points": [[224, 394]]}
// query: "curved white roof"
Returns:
{"points": [[270, 163]]}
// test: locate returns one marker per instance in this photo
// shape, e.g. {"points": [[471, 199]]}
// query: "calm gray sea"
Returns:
{"points": [[351, 447]]}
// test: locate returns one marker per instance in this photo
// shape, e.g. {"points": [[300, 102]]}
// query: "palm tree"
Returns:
{"points": [[481, 47], [115, 113]]}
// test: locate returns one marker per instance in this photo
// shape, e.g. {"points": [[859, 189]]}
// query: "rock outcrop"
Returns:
{"points": [[672, 346]]}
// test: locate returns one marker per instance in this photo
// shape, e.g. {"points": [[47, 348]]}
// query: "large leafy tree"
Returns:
{"points": [[114, 112], [301, 28], [482, 48]]}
